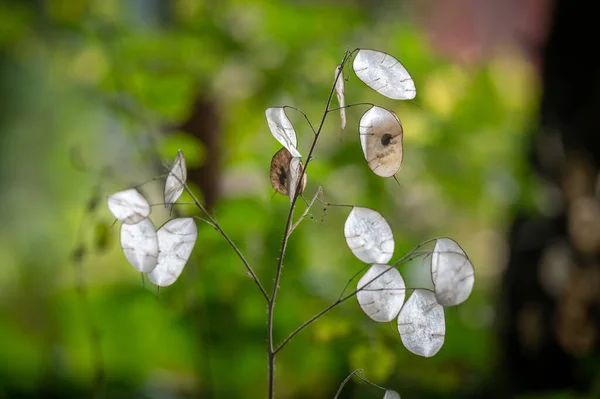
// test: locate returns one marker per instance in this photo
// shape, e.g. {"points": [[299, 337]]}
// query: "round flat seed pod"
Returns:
{"points": [[421, 324], [391, 395], [129, 206], [140, 245], [381, 140], [382, 292], [280, 171], [369, 236], [384, 74], [176, 239], [452, 272]]}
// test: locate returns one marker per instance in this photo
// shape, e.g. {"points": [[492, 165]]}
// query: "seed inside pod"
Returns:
{"points": [[280, 172], [381, 140]]}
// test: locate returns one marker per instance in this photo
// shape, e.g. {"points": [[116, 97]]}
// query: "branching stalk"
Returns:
{"points": [[216, 226], [294, 193], [406, 258]]}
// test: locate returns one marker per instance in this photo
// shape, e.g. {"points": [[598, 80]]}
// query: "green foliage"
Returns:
{"points": [[108, 78]]}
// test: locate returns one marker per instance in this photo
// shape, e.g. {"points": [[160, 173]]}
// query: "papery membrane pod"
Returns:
{"points": [[391, 395], [280, 172], [282, 129], [174, 185], [339, 92], [381, 141], [452, 272], [384, 74], [140, 245], [381, 292], [176, 239], [421, 324], [129, 206], [294, 176], [369, 236]]}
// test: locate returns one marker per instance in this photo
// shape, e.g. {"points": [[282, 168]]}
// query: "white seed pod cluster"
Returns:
{"points": [[162, 253], [381, 291]]}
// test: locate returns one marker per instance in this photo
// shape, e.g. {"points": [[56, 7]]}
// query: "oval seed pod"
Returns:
{"points": [[176, 239], [129, 206], [381, 140], [369, 236], [421, 324], [280, 171], [140, 245], [452, 272], [391, 395], [384, 74], [381, 292]]}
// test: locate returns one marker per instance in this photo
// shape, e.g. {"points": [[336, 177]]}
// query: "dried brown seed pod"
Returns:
{"points": [[280, 172]]}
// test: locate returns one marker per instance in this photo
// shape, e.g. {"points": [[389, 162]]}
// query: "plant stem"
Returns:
{"points": [[406, 258], [308, 206], [286, 235], [355, 372], [216, 226]]}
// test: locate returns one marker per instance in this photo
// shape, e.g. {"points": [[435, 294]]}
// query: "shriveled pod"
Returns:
{"points": [[384, 74], [339, 92], [421, 324], [381, 141], [175, 183], [280, 172]]}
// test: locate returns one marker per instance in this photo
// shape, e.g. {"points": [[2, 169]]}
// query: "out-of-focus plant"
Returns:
{"points": [[162, 253]]}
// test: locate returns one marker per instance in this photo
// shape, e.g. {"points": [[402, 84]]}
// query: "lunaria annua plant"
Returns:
{"points": [[381, 291]]}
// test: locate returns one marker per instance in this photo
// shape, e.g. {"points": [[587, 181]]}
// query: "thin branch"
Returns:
{"points": [[160, 177], [350, 280], [355, 372], [332, 204], [349, 105], [173, 204], [367, 381], [286, 235], [406, 258], [208, 222], [226, 237], [308, 206], [305, 117]]}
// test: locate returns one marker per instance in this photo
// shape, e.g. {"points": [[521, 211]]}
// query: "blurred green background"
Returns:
{"points": [[98, 95]]}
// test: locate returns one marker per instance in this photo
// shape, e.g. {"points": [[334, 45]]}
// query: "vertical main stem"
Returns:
{"points": [[286, 235]]}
